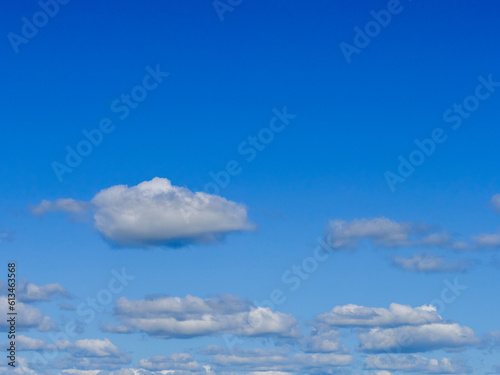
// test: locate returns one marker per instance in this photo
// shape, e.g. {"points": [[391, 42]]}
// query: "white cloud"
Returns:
{"points": [[360, 316], [90, 354], [323, 340], [89, 348], [427, 263], [192, 316], [179, 361], [383, 232], [495, 202], [31, 318], [66, 306], [260, 360], [116, 329], [157, 213], [486, 240], [6, 236], [423, 338], [491, 340], [24, 343], [489, 240], [415, 363], [81, 372], [28, 292], [66, 205], [204, 370], [85, 357]]}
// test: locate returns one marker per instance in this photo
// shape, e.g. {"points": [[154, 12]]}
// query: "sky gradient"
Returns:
{"points": [[263, 188]]}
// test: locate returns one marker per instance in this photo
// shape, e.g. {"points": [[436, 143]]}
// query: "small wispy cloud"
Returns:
{"points": [[428, 263], [384, 232]]}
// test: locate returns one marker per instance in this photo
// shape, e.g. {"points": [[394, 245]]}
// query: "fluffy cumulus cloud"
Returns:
{"points": [[169, 317], [158, 213], [427, 263], [422, 338], [396, 315], [415, 363], [28, 292], [274, 360], [175, 364], [383, 232], [24, 343], [488, 240], [31, 318], [6, 236], [102, 357]]}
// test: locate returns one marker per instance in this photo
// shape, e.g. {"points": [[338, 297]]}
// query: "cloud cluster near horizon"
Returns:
{"points": [[391, 336]]}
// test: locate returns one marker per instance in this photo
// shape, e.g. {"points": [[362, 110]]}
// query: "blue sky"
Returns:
{"points": [[250, 198]]}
